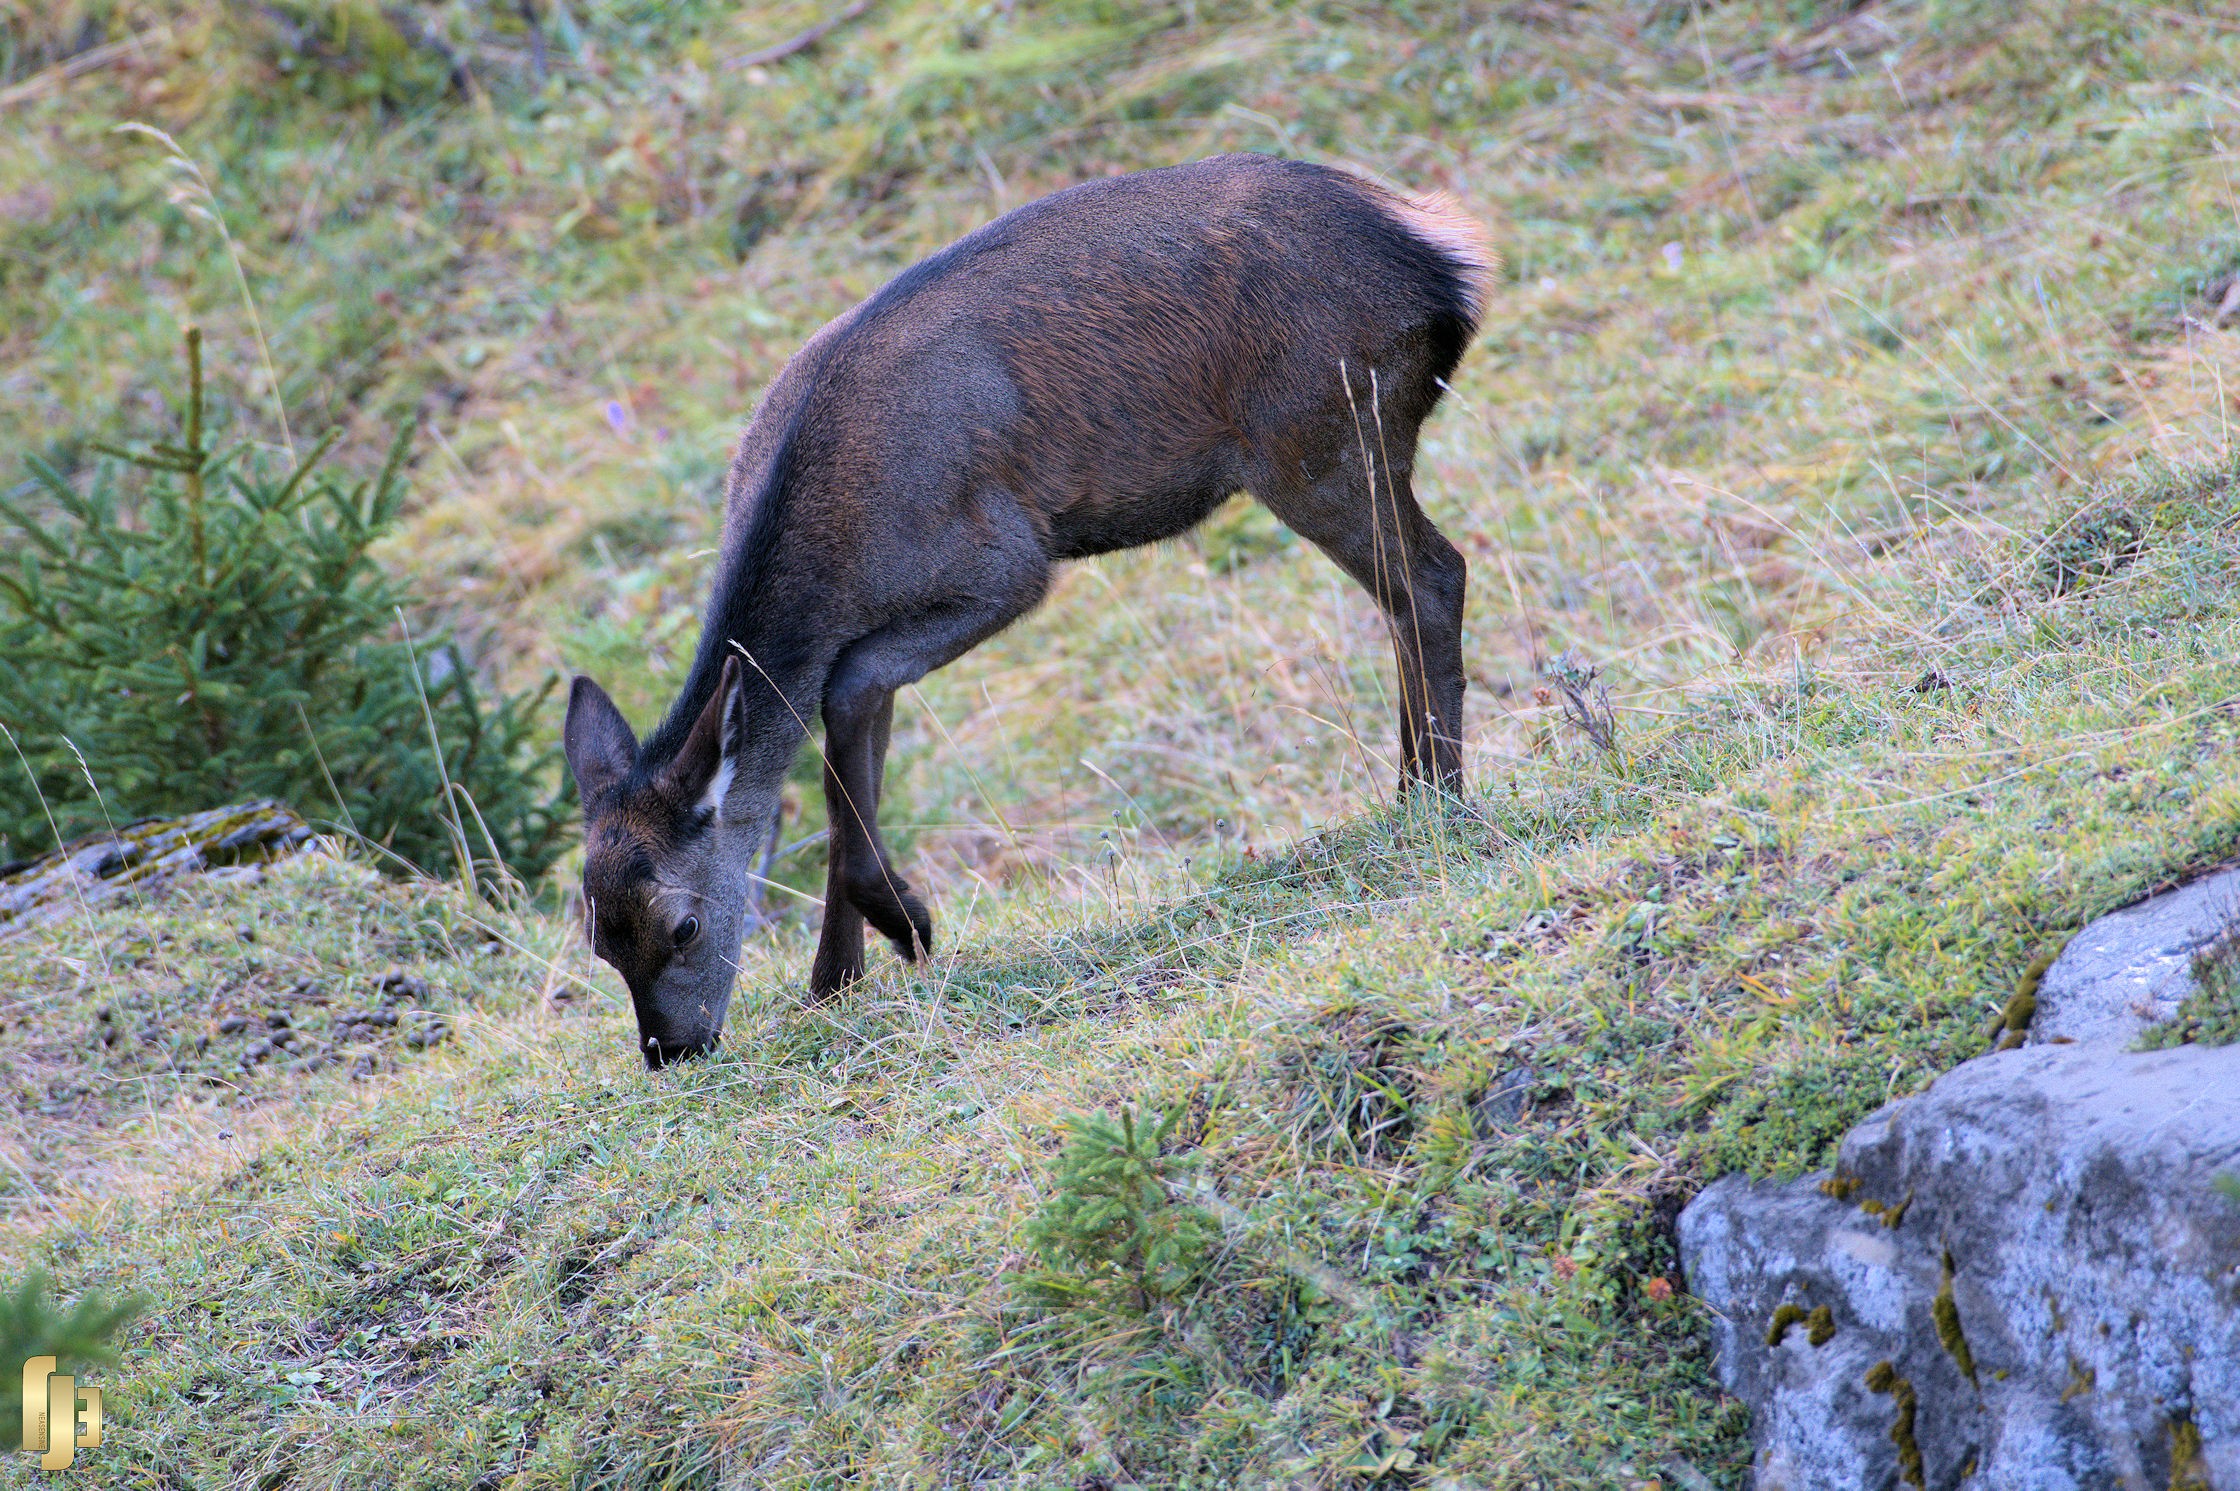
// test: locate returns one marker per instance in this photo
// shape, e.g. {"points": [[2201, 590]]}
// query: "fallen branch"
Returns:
{"points": [[90, 60], [778, 51], [425, 34]]}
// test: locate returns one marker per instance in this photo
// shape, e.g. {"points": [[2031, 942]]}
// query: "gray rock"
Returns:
{"points": [[2134, 967], [2057, 1206], [1505, 1098]]}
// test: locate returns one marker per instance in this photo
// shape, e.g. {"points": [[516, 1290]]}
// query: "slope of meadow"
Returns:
{"points": [[1856, 401]]}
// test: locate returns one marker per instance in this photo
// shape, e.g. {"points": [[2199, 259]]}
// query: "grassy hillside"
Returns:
{"points": [[1856, 402]]}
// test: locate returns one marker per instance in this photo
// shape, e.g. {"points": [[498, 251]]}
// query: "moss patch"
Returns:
{"points": [[1946, 1312], [1882, 1377], [2011, 1025], [2189, 1471]]}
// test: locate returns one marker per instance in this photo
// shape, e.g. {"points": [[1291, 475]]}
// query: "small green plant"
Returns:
{"points": [[219, 632], [2210, 1016], [31, 1324], [1352, 1090], [1110, 1215], [1586, 703], [399, 56], [2091, 546]]}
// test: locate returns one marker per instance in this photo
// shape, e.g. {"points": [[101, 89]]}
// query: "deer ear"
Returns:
{"points": [[701, 773], [601, 750]]}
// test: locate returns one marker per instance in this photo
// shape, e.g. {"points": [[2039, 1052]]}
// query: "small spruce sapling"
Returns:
{"points": [[217, 630], [1110, 1214], [32, 1325]]}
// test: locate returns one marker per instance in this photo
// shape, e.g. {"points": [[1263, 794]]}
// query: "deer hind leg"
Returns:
{"points": [[1376, 533]]}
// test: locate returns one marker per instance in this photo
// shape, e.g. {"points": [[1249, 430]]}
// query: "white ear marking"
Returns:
{"points": [[711, 801]]}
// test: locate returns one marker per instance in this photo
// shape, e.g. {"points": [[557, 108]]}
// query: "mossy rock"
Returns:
{"points": [[152, 852]]}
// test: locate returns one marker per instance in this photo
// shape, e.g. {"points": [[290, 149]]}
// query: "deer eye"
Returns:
{"points": [[687, 929]]}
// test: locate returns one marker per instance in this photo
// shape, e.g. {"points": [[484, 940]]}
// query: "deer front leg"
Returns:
{"points": [[995, 583], [869, 879]]}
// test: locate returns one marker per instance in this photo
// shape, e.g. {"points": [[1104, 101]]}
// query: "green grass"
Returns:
{"points": [[1892, 504]]}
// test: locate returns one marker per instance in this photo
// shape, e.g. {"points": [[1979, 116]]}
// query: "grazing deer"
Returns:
{"points": [[1097, 370]]}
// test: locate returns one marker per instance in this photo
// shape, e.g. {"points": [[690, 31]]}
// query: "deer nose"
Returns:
{"points": [[659, 1053]]}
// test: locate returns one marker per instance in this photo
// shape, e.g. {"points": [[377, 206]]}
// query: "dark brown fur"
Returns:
{"points": [[1097, 370]]}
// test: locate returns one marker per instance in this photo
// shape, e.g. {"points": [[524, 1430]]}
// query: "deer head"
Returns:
{"points": [[668, 853]]}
